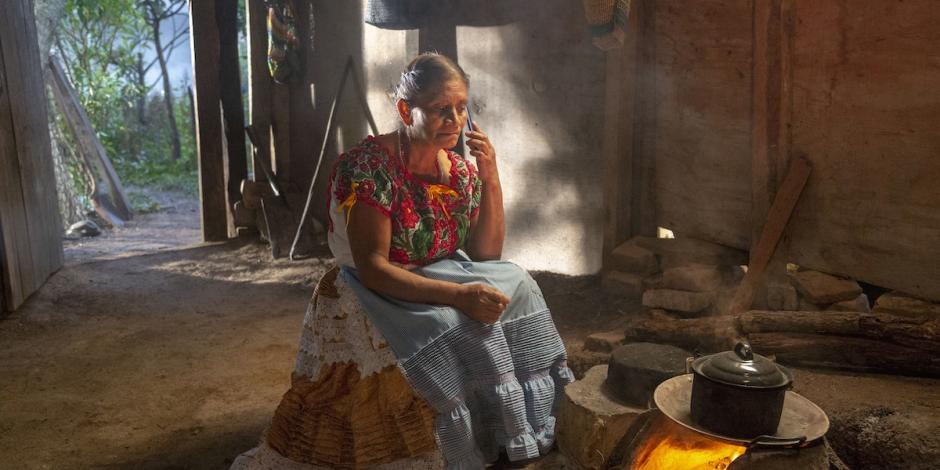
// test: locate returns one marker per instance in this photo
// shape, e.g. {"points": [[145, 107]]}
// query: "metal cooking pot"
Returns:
{"points": [[738, 393]]}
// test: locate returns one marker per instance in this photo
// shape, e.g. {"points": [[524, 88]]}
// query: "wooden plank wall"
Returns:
{"points": [[741, 87], [702, 88], [30, 227], [865, 111], [290, 118]]}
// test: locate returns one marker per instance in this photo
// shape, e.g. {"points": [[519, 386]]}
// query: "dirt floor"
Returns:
{"points": [[147, 355], [173, 223]]}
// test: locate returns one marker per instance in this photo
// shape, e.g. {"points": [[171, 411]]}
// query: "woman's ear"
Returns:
{"points": [[404, 112]]}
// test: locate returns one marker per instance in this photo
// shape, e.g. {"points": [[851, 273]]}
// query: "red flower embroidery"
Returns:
{"points": [[367, 188], [398, 255], [407, 215]]}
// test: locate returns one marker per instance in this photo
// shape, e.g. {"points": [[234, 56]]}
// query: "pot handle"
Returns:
{"points": [[743, 350], [774, 441]]}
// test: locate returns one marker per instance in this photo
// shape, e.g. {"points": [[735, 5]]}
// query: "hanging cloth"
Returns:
{"points": [[284, 60]]}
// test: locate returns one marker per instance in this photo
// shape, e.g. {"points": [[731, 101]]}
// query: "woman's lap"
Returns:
{"points": [[409, 326], [492, 386]]}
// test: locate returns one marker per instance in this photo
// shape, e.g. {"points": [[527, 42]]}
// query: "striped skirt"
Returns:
{"points": [[493, 387]]}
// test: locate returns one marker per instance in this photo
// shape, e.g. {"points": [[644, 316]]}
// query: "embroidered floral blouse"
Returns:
{"points": [[429, 221]]}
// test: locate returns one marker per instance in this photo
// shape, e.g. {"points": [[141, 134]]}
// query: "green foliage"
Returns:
{"points": [[101, 44]]}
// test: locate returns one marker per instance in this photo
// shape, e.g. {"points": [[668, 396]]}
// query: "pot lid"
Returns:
{"points": [[743, 368]]}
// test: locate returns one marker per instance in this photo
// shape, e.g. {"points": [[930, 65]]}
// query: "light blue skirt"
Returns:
{"points": [[493, 386]]}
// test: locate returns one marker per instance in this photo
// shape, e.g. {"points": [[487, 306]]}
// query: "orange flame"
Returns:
{"points": [[670, 446]]}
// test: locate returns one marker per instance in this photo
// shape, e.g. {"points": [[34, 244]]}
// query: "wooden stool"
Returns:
{"points": [[349, 405]]}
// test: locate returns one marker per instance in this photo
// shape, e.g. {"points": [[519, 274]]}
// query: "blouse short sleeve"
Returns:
{"points": [[363, 171]]}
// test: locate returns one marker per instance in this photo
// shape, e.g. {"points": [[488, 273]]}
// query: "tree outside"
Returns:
{"points": [[118, 55]]}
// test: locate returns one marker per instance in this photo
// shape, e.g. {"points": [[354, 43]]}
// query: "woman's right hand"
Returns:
{"points": [[481, 302]]}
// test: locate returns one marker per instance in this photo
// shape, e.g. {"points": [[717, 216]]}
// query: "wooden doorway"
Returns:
{"points": [[30, 226]]}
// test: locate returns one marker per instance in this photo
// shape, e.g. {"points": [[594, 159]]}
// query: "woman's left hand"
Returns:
{"points": [[482, 149]]}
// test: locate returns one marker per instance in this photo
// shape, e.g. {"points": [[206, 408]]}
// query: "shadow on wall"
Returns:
{"points": [[538, 89]]}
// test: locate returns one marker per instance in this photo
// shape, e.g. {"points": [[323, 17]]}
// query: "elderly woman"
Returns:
{"points": [[418, 232]]}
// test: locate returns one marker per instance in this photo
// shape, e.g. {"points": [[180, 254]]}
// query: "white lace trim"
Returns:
{"points": [[264, 457], [337, 331]]}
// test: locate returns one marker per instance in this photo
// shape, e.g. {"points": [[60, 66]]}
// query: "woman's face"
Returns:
{"points": [[440, 118]]}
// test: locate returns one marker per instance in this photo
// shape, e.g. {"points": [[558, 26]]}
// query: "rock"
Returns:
{"points": [[900, 304], [883, 437], [653, 281], [859, 304], [604, 342], [623, 284], [814, 457], [695, 278], [684, 250], [782, 296], [581, 361], [85, 228], [662, 315], [677, 300], [591, 421], [822, 288], [628, 257], [636, 369]]}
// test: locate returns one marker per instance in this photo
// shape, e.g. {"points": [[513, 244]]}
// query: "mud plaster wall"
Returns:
{"points": [[859, 99], [866, 112], [537, 89]]}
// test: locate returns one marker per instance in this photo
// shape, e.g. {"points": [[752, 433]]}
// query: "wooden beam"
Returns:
{"points": [[304, 123], [230, 89], [205, 47], [259, 81], [440, 35], [280, 134], [777, 218], [619, 141], [610, 148], [643, 203], [109, 197]]}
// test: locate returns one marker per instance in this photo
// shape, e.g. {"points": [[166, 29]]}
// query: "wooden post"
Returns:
{"points": [[259, 81], [30, 227], [643, 201], [231, 94], [205, 46], [439, 36], [280, 134], [619, 138]]}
